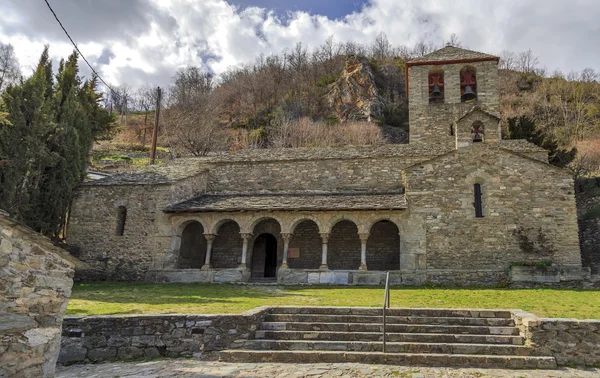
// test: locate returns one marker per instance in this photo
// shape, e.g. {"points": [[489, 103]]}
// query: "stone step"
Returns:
{"points": [[322, 318], [392, 337], [392, 347], [415, 359], [394, 328], [375, 311]]}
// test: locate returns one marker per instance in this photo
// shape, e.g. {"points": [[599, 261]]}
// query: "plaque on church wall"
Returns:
{"points": [[293, 253]]}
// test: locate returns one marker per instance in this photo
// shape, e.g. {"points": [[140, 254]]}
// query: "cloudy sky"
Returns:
{"points": [[146, 41]]}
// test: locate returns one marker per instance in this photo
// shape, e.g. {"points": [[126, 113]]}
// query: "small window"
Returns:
{"points": [[121, 218], [436, 86], [477, 131], [468, 84], [478, 204]]}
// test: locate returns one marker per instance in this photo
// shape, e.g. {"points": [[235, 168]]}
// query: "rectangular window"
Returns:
{"points": [[121, 217], [478, 205]]}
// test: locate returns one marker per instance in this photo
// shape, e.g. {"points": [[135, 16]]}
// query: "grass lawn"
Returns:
{"points": [[144, 298]]}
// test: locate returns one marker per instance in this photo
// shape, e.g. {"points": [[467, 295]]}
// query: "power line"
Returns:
{"points": [[77, 48]]}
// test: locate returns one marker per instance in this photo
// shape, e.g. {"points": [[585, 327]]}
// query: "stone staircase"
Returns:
{"points": [[424, 337]]}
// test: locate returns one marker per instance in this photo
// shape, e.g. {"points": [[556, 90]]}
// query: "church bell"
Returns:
{"points": [[468, 94], [436, 92]]}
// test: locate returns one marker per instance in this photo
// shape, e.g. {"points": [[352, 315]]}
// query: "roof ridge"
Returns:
{"points": [[453, 53]]}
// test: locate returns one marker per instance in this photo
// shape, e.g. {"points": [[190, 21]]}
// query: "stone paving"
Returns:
{"points": [[199, 368]]}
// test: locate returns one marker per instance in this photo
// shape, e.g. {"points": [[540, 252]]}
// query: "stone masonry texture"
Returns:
{"points": [[35, 285], [423, 190], [102, 338]]}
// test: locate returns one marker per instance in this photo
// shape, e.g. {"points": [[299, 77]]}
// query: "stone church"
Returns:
{"points": [[455, 205]]}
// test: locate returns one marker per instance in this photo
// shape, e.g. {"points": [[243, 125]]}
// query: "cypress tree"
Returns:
{"points": [[46, 132]]}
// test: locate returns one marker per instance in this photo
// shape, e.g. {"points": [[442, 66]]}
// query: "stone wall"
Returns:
{"points": [[35, 285], [307, 239], [92, 223], [227, 246], [102, 338], [588, 211], [326, 174], [343, 250], [193, 247], [570, 341], [529, 213], [430, 123], [383, 247]]}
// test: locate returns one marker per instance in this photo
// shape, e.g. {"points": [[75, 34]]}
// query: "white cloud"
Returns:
{"points": [[151, 40]]}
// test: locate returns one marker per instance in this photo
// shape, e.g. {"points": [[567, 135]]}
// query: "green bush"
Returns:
{"points": [[326, 80]]}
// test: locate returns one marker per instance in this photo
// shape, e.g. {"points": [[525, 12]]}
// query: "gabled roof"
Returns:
{"points": [[293, 201], [476, 109], [451, 54]]}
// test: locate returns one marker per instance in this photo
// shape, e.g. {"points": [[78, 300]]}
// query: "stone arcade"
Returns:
{"points": [[455, 205]]}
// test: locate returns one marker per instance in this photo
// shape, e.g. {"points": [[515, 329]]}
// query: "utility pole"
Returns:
{"points": [[155, 131]]}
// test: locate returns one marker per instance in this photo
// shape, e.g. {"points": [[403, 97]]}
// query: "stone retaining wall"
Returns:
{"points": [[570, 341], [588, 200], [101, 338], [35, 284]]}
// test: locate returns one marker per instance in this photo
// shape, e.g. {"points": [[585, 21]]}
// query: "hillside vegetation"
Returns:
{"points": [[349, 93]]}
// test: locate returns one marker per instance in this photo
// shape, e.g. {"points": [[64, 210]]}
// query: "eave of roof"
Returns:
{"points": [[293, 201]]}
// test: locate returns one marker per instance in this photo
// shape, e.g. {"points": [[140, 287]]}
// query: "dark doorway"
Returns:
{"points": [[264, 256]]}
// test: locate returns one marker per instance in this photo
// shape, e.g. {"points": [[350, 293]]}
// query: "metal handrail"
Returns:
{"points": [[386, 301]]}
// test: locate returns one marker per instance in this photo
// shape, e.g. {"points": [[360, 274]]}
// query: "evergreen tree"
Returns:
{"points": [[524, 128], [46, 132]]}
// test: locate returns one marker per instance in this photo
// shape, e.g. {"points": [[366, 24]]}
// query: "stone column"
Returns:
{"points": [[324, 238], [363, 251], [286, 246], [245, 238], [209, 240]]}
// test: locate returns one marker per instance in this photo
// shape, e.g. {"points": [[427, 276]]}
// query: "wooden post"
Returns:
{"points": [[155, 131]]}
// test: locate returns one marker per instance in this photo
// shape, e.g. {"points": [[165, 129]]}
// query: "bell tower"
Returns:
{"points": [[444, 87]]}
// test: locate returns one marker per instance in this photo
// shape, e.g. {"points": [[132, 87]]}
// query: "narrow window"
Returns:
{"points": [[478, 205], [468, 84], [436, 86], [477, 131], [121, 217]]}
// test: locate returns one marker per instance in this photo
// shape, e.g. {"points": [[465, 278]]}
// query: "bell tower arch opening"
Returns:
{"points": [[468, 84]]}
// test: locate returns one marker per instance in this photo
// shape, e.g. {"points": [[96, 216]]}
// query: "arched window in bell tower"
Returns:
{"points": [[477, 131], [436, 86], [468, 84]]}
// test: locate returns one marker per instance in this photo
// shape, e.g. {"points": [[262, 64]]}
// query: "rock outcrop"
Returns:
{"points": [[354, 96]]}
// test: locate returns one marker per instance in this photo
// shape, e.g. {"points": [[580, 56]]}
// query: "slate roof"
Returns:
{"points": [[520, 145], [167, 173], [179, 169], [175, 170], [320, 153], [450, 53], [306, 200]]}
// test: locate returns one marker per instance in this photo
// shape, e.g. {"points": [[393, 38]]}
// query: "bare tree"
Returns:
{"points": [[588, 75], [196, 129], [508, 60], [381, 48], [190, 84], [145, 99], [9, 66], [527, 62], [454, 41], [422, 48]]}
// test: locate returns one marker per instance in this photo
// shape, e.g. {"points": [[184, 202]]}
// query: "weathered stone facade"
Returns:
{"points": [[455, 205], [35, 285], [570, 341], [507, 338], [102, 338], [588, 207]]}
